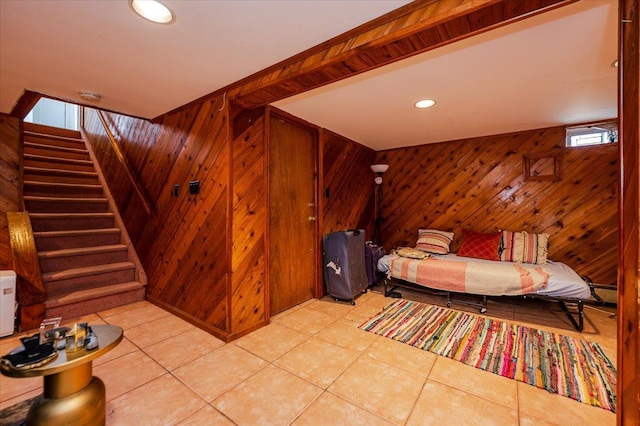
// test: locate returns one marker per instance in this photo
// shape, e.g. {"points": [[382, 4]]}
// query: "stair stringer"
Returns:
{"points": [[132, 255]]}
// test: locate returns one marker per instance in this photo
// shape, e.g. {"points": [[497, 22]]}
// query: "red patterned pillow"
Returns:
{"points": [[481, 246]]}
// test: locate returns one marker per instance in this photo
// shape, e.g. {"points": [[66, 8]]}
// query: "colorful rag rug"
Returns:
{"points": [[560, 364]]}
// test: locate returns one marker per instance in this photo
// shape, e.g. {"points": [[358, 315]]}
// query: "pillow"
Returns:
{"points": [[512, 246], [412, 253], [524, 247], [535, 248], [481, 246], [434, 241]]}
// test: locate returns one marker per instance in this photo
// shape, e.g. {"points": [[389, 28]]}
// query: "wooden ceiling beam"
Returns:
{"points": [[412, 29]]}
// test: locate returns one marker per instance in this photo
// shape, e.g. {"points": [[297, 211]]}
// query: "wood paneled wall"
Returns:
{"points": [[10, 181], [479, 184], [347, 185], [183, 245], [206, 255], [249, 296]]}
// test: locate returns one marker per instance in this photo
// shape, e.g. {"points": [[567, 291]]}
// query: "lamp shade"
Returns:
{"points": [[380, 168]]}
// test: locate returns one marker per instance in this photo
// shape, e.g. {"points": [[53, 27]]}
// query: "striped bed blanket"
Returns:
{"points": [[491, 279]]}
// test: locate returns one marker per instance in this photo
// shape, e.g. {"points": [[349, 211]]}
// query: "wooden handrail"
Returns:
{"points": [[31, 289], [133, 178]]}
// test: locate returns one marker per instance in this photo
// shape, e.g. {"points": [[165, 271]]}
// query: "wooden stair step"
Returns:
{"points": [[65, 204], [86, 271], [58, 240], [56, 260], [83, 295], [61, 189], [41, 174], [88, 277], [84, 302], [50, 130], [44, 139], [71, 221], [49, 162], [55, 151]]}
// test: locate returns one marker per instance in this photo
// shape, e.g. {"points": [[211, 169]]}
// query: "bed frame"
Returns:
{"points": [[575, 315]]}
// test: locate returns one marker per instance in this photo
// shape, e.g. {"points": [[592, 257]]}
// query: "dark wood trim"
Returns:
{"points": [[404, 32], [628, 389], [267, 232], [320, 287], [393, 37], [220, 334], [29, 99], [25, 104], [226, 110]]}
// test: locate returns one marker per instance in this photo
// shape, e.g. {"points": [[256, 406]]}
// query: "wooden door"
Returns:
{"points": [[292, 213]]}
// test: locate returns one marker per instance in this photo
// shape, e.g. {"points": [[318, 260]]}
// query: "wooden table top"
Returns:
{"points": [[108, 338]]}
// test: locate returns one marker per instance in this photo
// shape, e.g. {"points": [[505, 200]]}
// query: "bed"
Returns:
{"points": [[451, 273]]}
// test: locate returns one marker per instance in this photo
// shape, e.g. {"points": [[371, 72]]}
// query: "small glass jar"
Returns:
{"points": [[75, 338]]}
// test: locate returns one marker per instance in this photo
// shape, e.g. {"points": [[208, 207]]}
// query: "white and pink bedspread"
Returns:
{"points": [[487, 277], [491, 279]]}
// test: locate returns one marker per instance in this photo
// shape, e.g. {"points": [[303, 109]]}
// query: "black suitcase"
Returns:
{"points": [[345, 274], [372, 253]]}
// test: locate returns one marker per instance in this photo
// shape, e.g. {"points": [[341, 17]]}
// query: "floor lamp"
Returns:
{"points": [[378, 169]]}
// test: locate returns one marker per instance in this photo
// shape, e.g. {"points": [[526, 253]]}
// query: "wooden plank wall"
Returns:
{"points": [[193, 269], [348, 187], [249, 265], [183, 244], [10, 181], [479, 184]]}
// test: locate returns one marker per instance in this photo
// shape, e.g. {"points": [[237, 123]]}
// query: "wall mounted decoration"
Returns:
{"points": [[542, 167]]}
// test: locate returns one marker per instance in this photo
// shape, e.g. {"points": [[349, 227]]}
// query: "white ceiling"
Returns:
{"points": [[551, 69]]}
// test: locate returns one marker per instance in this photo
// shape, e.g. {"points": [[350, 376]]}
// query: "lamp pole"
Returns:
{"points": [[378, 169]]}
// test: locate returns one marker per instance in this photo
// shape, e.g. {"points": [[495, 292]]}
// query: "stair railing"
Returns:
{"points": [[133, 178], [31, 294]]}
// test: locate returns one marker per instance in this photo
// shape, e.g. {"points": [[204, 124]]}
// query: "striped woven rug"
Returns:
{"points": [[560, 364]]}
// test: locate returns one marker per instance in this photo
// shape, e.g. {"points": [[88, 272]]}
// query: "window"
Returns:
{"points": [[54, 113], [592, 134]]}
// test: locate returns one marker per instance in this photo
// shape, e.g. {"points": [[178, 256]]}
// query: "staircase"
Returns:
{"points": [[86, 267]]}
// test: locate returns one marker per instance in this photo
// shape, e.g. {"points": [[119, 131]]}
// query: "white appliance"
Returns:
{"points": [[7, 302]]}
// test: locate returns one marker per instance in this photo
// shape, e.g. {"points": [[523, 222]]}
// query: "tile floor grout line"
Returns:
{"points": [[415, 402]]}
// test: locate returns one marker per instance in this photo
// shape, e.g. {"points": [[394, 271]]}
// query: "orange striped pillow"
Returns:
{"points": [[535, 248], [512, 248], [434, 241], [524, 247]]}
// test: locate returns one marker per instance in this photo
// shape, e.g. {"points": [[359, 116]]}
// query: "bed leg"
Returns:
{"points": [[391, 293], [580, 315], [592, 289], [578, 325], [448, 299], [483, 309]]}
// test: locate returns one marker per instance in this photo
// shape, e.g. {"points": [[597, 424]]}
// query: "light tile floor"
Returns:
{"points": [[313, 366]]}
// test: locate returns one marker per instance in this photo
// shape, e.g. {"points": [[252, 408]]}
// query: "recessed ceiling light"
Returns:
{"points": [[153, 10], [425, 103]]}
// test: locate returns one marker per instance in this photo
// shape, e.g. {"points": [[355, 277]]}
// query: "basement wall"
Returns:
{"points": [[480, 184]]}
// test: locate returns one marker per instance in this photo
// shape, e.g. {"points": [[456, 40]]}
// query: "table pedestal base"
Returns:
{"points": [[85, 407]]}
